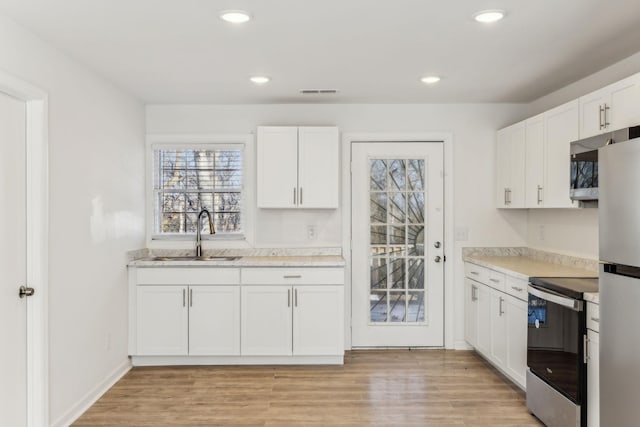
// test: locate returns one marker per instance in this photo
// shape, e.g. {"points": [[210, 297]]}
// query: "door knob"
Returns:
{"points": [[437, 258], [26, 291], [437, 245]]}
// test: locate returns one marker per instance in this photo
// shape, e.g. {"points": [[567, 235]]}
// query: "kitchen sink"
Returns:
{"points": [[194, 258]]}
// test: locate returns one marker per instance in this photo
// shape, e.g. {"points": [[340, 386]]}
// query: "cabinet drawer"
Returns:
{"points": [[477, 273], [293, 276], [187, 276], [517, 288], [593, 317], [496, 280]]}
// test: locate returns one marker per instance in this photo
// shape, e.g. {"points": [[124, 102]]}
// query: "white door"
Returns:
{"points": [[163, 321], [471, 312], [592, 120], [277, 166], [625, 103], [516, 320], [318, 167], [317, 320], [214, 320], [534, 168], [483, 294], [397, 244], [266, 320], [498, 328], [13, 250]]}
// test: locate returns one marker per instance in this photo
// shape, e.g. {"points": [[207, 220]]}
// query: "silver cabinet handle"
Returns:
{"points": [[474, 297], [606, 116], [295, 297], [300, 195], [500, 307], [475, 273], [495, 280], [184, 297], [288, 297], [505, 197], [295, 194], [585, 343], [516, 288], [600, 111], [293, 276], [190, 297], [539, 194], [595, 319]]}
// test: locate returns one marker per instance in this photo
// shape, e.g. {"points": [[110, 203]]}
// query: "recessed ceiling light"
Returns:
{"points": [[235, 16], [488, 16], [260, 80], [430, 79]]}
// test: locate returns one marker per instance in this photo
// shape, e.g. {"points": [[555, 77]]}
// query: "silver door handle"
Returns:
{"points": [[295, 194], [300, 195], [516, 288], [474, 297], [495, 280], [505, 197], [26, 291], [475, 273], [600, 111], [184, 297], [500, 307], [555, 298], [437, 258], [539, 194], [288, 297], [293, 276], [295, 297], [190, 297], [585, 343], [606, 116], [595, 319]]}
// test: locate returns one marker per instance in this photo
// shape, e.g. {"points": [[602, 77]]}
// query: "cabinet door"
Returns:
{"points": [[162, 321], [277, 167], [266, 320], [561, 125], [591, 116], [517, 145], [470, 312], [534, 168], [214, 320], [318, 328], [318, 167], [498, 329], [503, 167], [484, 319], [593, 380], [624, 105], [516, 322]]}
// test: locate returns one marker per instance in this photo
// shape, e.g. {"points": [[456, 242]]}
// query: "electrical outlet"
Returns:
{"points": [[541, 232], [462, 234], [311, 232]]}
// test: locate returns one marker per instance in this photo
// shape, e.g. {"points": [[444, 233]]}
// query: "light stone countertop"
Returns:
{"points": [[247, 261], [525, 267], [593, 297]]}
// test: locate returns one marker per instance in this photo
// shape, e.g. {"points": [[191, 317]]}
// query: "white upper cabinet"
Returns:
{"points": [[510, 167], [611, 108], [298, 167], [534, 170], [561, 127]]}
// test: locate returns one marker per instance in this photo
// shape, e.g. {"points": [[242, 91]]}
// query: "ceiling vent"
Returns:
{"points": [[318, 91]]}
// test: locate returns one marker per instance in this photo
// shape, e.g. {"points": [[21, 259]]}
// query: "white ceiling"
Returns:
{"points": [[373, 51]]}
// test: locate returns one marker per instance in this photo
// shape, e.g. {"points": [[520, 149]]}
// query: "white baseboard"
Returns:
{"points": [[462, 345], [92, 397]]}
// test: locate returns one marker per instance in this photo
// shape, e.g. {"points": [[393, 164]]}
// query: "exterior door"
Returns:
{"points": [[397, 244], [13, 256]]}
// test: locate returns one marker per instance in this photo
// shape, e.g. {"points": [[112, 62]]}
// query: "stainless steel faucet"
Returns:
{"points": [[212, 230]]}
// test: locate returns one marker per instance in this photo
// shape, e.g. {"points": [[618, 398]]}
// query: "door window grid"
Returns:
{"points": [[188, 180], [397, 279]]}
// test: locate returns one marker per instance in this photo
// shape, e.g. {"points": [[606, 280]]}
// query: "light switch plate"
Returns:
{"points": [[462, 234]]}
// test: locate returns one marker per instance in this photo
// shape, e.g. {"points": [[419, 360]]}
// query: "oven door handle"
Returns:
{"points": [[571, 303]]}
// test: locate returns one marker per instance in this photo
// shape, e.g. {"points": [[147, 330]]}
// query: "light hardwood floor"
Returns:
{"points": [[381, 388]]}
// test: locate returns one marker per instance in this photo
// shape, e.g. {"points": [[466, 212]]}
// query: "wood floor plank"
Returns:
{"points": [[373, 388]]}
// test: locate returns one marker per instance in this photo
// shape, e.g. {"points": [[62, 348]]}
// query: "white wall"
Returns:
{"points": [[96, 191], [473, 128]]}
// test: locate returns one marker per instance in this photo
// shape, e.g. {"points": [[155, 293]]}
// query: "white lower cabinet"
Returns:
{"points": [[162, 320], [318, 328], [496, 324], [266, 321], [593, 377], [183, 320]]}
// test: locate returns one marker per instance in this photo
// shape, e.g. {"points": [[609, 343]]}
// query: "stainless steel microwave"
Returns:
{"points": [[584, 161]]}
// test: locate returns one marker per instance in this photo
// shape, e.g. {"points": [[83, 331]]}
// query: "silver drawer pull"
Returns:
{"points": [[595, 319], [293, 276], [515, 288], [475, 273], [495, 280]]}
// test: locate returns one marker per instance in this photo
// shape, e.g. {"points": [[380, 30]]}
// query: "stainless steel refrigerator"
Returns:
{"points": [[619, 212]]}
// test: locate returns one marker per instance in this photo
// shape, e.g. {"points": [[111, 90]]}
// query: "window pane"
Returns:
{"points": [[378, 306], [188, 180]]}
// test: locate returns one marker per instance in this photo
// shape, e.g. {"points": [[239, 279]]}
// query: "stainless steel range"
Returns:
{"points": [[556, 340]]}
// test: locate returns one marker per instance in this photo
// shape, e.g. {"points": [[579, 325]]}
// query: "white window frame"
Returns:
{"points": [[185, 141]]}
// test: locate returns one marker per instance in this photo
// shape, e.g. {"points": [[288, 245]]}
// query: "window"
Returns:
{"points": [[186, 180]]}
